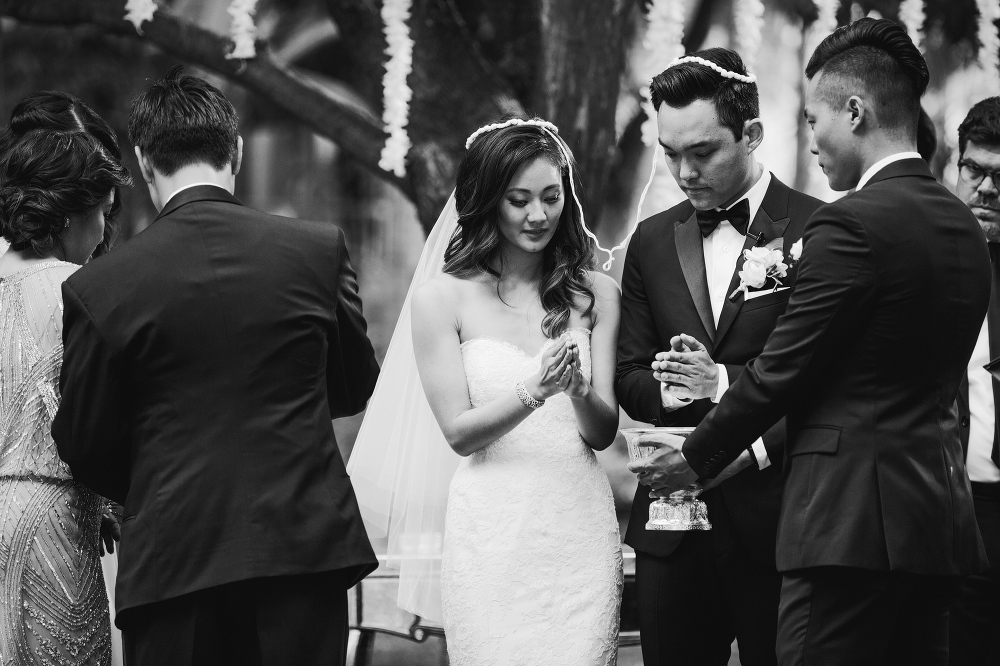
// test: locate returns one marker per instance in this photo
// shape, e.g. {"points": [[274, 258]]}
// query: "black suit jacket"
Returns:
{"points": [[665, 293], [866, 362], [204, 361], [993, 317]]}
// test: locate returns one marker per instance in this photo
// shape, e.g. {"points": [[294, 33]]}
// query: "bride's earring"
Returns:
{"points": [[66, 226]]}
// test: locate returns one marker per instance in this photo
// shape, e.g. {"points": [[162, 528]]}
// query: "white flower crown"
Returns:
{"points": [[544, 124], [745, 78]]}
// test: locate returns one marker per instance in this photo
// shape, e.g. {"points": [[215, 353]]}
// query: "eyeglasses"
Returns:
{"points": [[974, 174]]}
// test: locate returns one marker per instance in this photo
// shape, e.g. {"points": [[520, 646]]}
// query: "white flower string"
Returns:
{"points": [[721, 71], [396, 95], [912, 16], [138, 11], [748, 20], [242, 30], [544, 124], [663, 44], [825, 23], [989, 40]]}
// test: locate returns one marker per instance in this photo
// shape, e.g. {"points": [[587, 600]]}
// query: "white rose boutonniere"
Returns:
{"points": [[796, 250], [761, 264]]}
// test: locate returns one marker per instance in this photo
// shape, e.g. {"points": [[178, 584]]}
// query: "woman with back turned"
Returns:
{"points": [[58, 190]]}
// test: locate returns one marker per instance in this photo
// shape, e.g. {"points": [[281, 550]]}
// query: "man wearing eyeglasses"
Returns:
{"points": [[975, 617]]}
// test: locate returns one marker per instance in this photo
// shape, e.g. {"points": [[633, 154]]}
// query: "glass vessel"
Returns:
{"points": [[682, 510]]}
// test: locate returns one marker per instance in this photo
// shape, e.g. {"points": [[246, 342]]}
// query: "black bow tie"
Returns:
{"points": [[738, 216]]}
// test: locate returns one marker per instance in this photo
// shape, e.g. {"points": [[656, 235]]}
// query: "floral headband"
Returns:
{"points": [[725, 73], [553, 132]]}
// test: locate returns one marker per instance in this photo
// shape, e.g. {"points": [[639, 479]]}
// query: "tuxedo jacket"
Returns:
{"points": [[865, 364], [665, 293], [204, 361], [993, 323]]}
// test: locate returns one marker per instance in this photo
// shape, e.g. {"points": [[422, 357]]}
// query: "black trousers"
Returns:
{"points": [[693, 603], [975, 617], [830, 616], [260, 622]]}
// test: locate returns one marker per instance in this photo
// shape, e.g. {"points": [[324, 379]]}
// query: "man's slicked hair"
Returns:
{"points": [[981, 126], [735, 101], [877, 59], [182, 120]]}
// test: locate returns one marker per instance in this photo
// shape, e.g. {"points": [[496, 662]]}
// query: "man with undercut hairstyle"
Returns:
{"points": [[877, 523], [975, 617], [683, 340]]}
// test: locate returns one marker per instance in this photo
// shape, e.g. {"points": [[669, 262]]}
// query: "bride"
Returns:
{"points": [[514, 339]]}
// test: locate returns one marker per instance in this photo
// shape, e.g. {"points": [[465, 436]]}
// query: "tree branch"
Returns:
{"points": [[356, 131]]}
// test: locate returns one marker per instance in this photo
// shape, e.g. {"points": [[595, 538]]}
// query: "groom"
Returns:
{"points": [[204, 361], [877, 521], [700, 590]]}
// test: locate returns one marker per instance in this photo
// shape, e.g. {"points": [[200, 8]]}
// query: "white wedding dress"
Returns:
{"points": [[532, 566]]}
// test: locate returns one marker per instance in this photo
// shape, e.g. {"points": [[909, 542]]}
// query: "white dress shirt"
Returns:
{"points": [[882, 163], [187, 187], [982, 419], [722, 250]]}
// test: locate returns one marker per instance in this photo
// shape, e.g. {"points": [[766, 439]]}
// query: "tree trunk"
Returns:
{"points": [[583, 56]]}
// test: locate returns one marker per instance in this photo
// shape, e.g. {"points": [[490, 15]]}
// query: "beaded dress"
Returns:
{"points": [[531, 573], [53, 601]]}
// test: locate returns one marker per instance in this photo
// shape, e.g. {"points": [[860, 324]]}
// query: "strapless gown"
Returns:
{"points": [[532, 566]]}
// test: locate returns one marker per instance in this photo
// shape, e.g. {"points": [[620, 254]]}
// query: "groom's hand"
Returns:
{"points": [[665, 469], [690, 374]]}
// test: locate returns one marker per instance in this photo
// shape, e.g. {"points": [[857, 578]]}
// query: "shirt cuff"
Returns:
{"points": [[669, 401], [723, 383], [760, 453]]}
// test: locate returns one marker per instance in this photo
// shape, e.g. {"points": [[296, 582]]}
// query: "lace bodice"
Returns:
{"points": [[30, 359], [550, 433], [531, 572]]}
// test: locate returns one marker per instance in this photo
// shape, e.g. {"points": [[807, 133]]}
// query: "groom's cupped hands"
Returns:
{"points": [[687, 370]]}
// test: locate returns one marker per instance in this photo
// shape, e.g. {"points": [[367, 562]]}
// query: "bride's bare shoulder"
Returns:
{"points": [[443, 293]]}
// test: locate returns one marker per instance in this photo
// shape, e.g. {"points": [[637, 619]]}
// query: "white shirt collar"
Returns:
{"points": [[755, 195], [882, 163], [187, 187]]}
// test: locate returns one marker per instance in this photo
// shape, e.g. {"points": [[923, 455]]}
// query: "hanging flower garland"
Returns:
{"points": [[138, 11], [242, 30], [825, 23], [662, 43], [396, 95], [911, 15], [989, 40], [748, 20]]}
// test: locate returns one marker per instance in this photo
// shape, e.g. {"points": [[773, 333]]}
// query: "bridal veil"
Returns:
{"points": [[401, 465]]}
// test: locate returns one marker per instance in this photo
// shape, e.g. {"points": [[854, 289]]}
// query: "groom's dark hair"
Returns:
{"points": [[877, 59], [735, 101], [182, 120]]}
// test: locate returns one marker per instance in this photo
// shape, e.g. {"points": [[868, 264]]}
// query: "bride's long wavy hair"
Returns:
{"points": [[483, 177]]}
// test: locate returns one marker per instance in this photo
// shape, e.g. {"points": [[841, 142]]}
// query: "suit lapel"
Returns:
{"points": [[768, 229], [688, 239], [993, 328]]}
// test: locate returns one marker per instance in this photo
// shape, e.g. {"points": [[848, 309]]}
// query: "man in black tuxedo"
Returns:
{"points": [[204, 361], [975, 617], [681, 267], [877, 520]]}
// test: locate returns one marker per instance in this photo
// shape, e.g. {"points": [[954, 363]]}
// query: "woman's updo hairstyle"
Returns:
{"points": [[58, 111], [476, 248], [48, 177]]}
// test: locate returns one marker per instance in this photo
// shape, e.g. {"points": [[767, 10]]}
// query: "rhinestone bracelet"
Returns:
{"points": [[526, 399]]}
